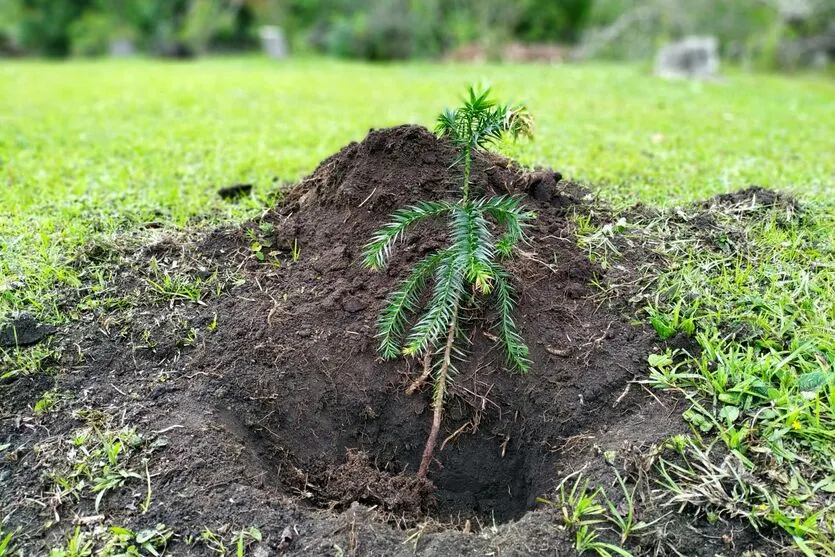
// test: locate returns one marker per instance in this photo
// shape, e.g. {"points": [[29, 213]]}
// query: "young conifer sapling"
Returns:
{"points": [[482, 232]]}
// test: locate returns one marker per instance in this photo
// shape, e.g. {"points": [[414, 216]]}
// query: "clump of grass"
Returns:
{"points": [[469, 267], [26, 360], [755, 290], [114, 540], [172, 286], [583, 514], [98, 462], [216, 541]]}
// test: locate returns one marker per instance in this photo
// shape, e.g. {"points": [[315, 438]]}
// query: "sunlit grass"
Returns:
{"points": [[754, 289], [91, 151], [99, 147]]}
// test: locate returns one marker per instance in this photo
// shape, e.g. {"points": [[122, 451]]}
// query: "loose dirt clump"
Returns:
{"points": [[276, 410], [358, 480]]}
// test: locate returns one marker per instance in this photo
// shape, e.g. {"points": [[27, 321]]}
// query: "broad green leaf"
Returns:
{"points": [[662, 327], [659, 360], [812, 382], [729, 414]]}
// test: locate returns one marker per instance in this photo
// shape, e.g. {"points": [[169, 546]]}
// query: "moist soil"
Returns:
{"points": [[265, 403]]}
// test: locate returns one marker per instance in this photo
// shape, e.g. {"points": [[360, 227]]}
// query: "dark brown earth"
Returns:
{"points": [[23, 330], [266, 404]]}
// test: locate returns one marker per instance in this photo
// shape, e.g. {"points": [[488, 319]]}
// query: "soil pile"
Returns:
{"points": [[300, 349], [277, 411]]}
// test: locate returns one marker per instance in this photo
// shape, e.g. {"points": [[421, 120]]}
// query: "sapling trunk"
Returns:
{"points": [[438, 401], [468, 163]]}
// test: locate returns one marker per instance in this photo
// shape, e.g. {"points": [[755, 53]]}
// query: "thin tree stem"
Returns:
{"points": [[467, 167], [438, 403]]}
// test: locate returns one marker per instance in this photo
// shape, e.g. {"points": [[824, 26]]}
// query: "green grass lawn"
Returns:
{"points": [[91, 151], [96, 147]]}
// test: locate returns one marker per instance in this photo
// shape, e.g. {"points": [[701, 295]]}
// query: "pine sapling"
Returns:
{"points": [[470, 267]]}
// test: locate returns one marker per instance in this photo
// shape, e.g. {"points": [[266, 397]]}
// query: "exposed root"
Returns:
{"points": [[427, 369], [456, 433], [438, 403]]}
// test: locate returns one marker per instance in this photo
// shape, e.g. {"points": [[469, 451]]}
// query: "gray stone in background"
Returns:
{"points": [[689, 58], [23, 329], [122, 48], [795, 11], [820, 60], [273, 42]]}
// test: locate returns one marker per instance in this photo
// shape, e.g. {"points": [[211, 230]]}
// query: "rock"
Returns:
{"points": [[820, 60], [235, 192], [795, 11], [689, 58], [24, 330], [273, 42], [122, 48]]}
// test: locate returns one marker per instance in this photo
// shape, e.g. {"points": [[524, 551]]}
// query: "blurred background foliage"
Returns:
{"points": [[762, 33]]}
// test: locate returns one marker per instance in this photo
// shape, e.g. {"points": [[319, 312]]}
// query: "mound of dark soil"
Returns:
{"points": [[274, 403], [307, 341]]}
